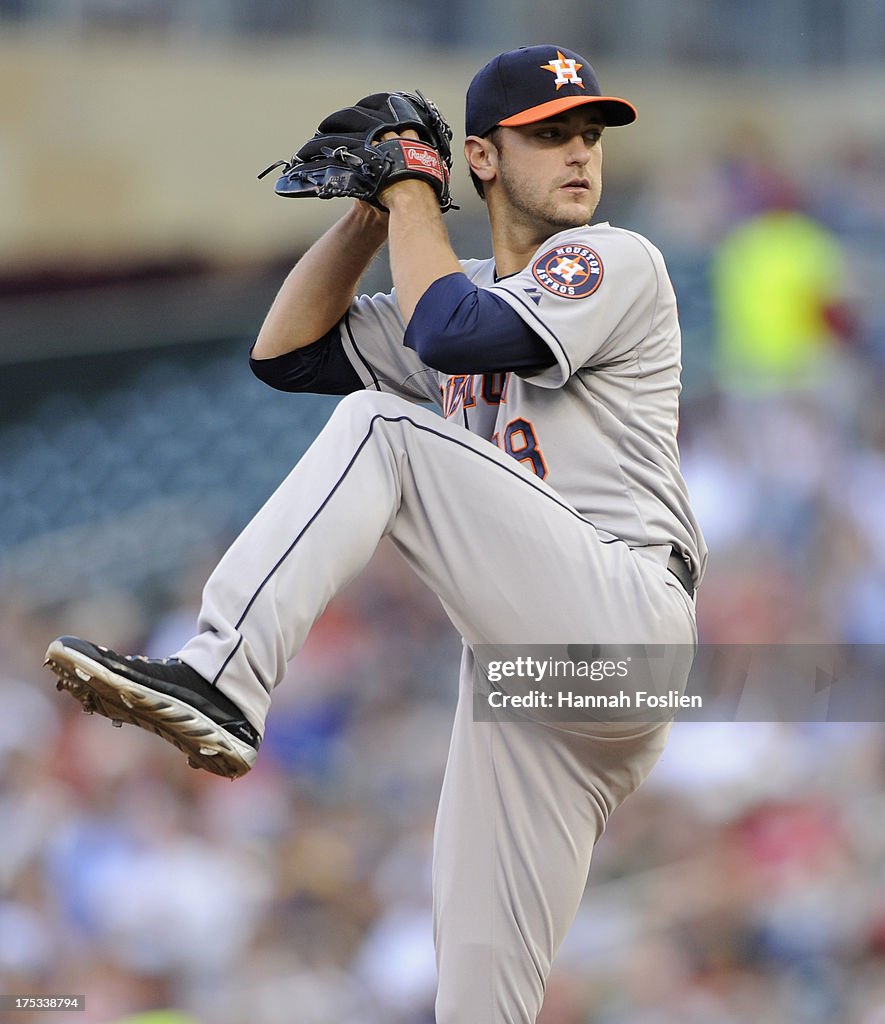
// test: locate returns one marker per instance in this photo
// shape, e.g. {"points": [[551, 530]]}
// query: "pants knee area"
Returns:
{"points": [[361, 406], [370, 416]]}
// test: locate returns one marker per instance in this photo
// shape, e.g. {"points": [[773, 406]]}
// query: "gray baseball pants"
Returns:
{"points": [[522, 804]]}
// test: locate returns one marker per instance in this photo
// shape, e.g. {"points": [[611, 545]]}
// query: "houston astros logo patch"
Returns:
{"points": [[571, 271]]}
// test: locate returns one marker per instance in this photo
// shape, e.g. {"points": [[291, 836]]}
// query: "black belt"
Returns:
{"points": [[677, 565]]}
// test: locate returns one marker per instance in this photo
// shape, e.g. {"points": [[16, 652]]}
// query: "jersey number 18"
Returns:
{"points": [[521, 443]]}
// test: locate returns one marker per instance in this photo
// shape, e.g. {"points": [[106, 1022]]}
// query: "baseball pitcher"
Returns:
{"points": [[541, 500]]}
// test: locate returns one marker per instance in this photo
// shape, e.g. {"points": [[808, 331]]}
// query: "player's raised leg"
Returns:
{"points": [[510, 560], [450, 501]]}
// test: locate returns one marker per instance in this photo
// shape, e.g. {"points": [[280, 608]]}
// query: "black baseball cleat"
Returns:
{"points": [[164, 696]]}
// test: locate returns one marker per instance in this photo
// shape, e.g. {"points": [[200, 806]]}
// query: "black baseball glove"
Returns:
{"points": [[345, 158]]}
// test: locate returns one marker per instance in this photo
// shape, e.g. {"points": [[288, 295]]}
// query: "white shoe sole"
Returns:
{"points": [[102, 691]]}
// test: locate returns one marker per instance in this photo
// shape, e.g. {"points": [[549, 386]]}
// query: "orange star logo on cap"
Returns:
{"points": [[566, 70]]}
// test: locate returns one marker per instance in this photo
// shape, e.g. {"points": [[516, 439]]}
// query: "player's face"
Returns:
{"points": [[550, 172]]}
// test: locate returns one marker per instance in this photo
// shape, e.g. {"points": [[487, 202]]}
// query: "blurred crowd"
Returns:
{"points": [[742, 884]]}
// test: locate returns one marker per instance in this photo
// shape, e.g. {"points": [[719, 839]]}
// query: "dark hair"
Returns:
{"points": [[494, 136]]}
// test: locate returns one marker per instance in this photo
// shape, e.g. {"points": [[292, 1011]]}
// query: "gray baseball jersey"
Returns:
{"points": [[600, 425], [559, 532]]}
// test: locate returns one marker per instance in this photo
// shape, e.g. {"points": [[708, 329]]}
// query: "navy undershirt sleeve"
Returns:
{"points": [[320, 368], [459, 328]]}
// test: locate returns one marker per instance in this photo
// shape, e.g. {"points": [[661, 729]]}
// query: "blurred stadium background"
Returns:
{"points": [[745, 882]]}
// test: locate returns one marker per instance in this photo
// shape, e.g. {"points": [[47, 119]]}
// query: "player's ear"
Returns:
{"points": [[482, 157]]}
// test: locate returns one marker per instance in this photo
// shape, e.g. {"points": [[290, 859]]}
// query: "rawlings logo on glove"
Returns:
{"points": [[345, 157], [425, 157]]}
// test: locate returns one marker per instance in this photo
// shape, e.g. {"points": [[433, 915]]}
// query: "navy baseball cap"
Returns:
{"points": [[534, 82]]}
